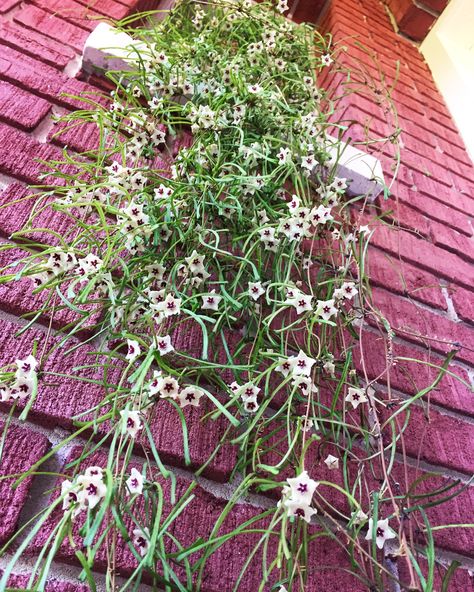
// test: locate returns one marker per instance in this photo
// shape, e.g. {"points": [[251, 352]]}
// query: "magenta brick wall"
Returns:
{"points": [[420, 265]]}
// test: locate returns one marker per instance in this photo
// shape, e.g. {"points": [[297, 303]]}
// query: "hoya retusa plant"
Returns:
{"points": [[212, 265]]}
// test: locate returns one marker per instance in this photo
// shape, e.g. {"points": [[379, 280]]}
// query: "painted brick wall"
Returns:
{"points": [[420, 265]]}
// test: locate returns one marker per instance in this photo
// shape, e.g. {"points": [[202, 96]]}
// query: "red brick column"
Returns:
{"points": [[416, 17]]}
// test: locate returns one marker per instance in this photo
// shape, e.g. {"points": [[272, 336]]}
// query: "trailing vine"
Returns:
{"points": [[213, 260]]}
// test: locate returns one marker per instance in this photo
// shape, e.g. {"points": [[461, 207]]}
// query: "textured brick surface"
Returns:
{"points": [[20, 581], [418, 370], [52, 26], [21, 449], [425, 327], [18, 107], [20, 154], [36, 45], [42, 79]]}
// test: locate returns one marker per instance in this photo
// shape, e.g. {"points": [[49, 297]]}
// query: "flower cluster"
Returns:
{"points": [[23, 383], [298, 496]]}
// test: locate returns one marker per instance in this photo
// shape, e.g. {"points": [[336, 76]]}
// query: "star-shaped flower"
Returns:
{"points": [[133, 350], [135, 482], [326, 309], [302, 487], [383, 532], [355, 396], [302, 364], [211, 301]]}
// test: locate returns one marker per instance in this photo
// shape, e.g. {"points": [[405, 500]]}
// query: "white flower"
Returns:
{"points": [[329, 367], [89, 265], [92, 490], [135, 482], [254, 89], [299, 509], [94, 471], [131, 422], [256, 290], [302, 488], [320, 215], [133, 350], [348, 290], [247, 391], [5, 393], [326, 309], [383, 532], [284, 156], [69, 494], [305, 385], [364, 230], [332, 462], [267, 236], [285, 366], [211, 301], [163, 345], [308, 162], [25, 367], [141, 540], [170, 306], [302, 364], [301, 302], [163, 192], [251, 404], [168, 387], [326, 60], [195, 263], [338, 184], [355, 397], [190, 396], [282, 6]]}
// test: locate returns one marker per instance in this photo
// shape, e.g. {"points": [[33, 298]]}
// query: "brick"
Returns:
{"points": [[461, 581], [21, 450], [403, 278], [424, 254], [20, 108], [452, 241], [422, 326], [429, 208], [18, 203], [52, 26], [463, 303], [406, 479], [204, 438], [81, 137], [52, 585], [62, 398], [435, 438], [19, 156], [308, 12], [110, 8], [7, 5], [35, 45], [71, 11], [416, 23], [437, 5], [35, 76], [410, 377]]}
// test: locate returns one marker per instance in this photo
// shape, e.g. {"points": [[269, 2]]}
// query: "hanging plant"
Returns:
{"points": [[212, 262]]}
